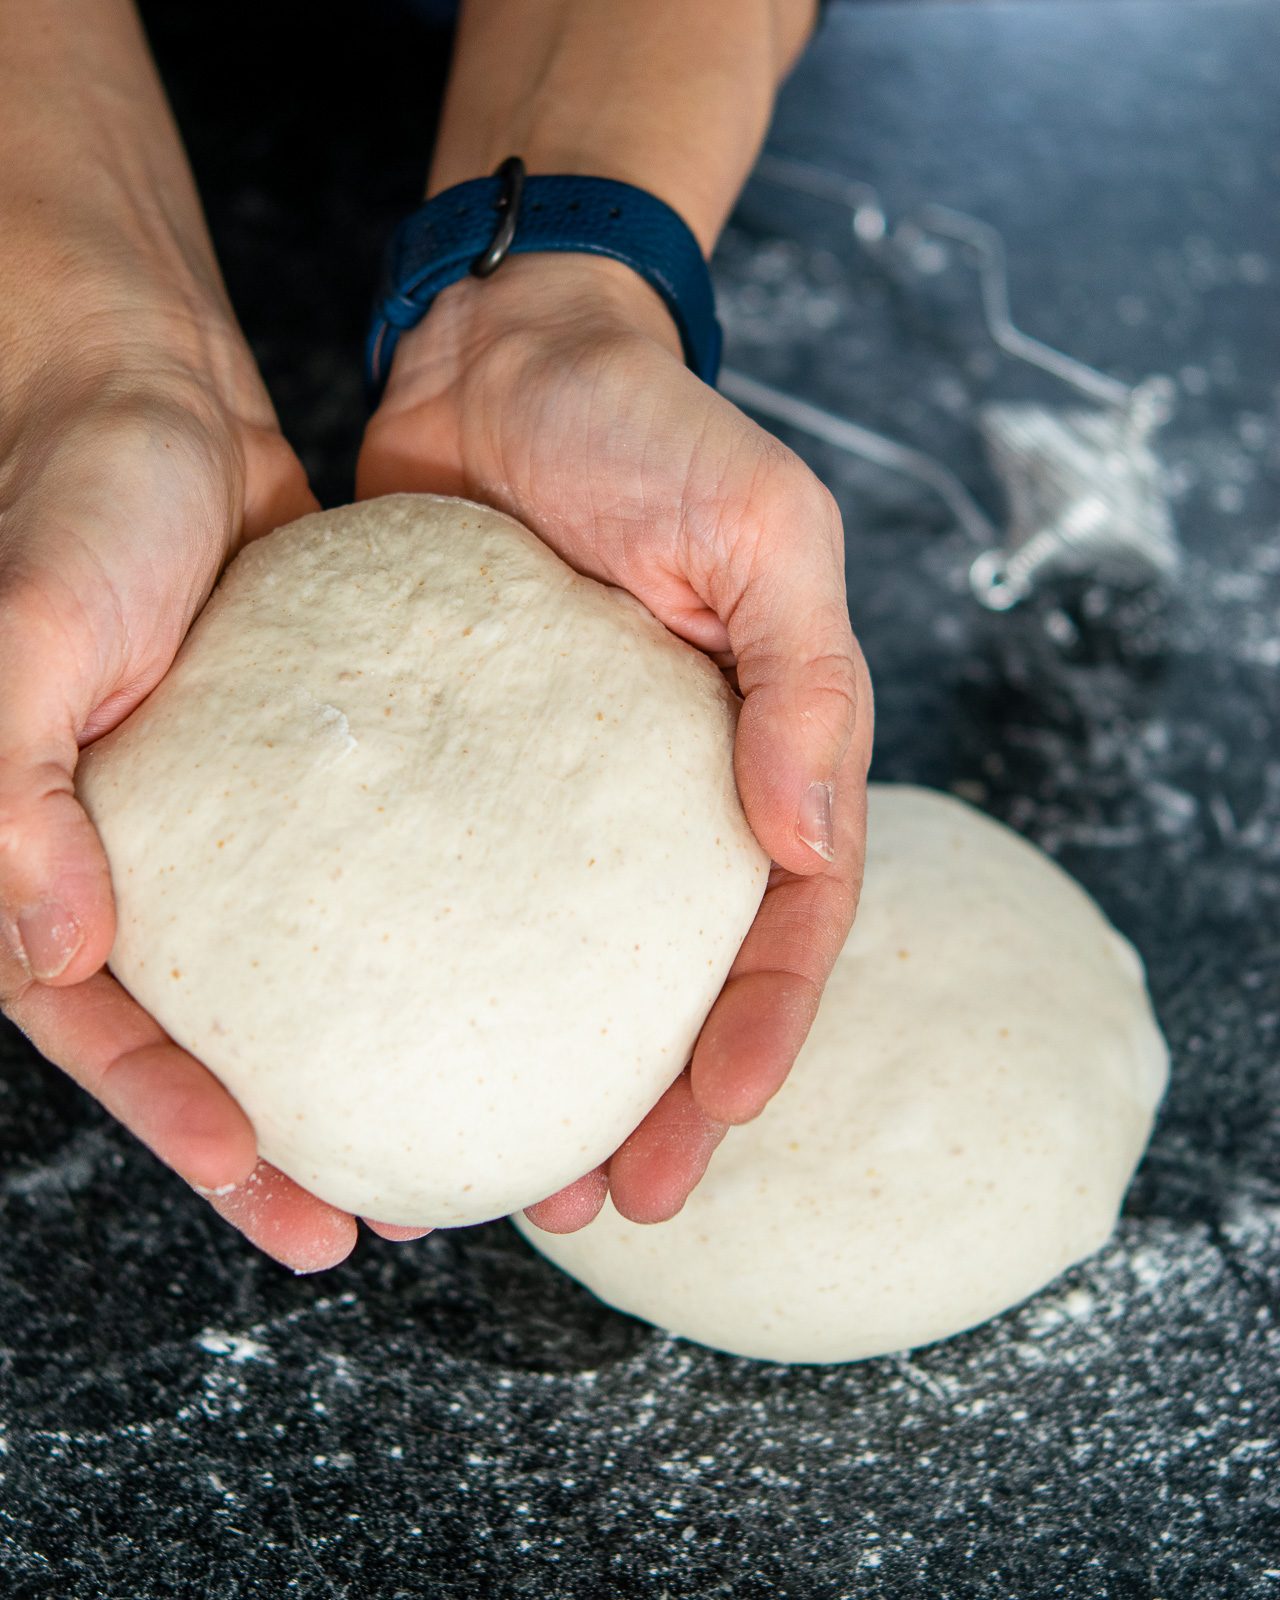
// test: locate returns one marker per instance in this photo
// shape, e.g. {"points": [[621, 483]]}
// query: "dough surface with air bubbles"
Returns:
{"points": [[430, 848]]}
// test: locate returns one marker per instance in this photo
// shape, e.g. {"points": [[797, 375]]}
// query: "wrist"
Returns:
{"points": [[545, 302], [85, 301]]}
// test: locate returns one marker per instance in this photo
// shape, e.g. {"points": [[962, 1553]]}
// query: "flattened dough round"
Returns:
{"points": [[960, 1127], [431, 849]]}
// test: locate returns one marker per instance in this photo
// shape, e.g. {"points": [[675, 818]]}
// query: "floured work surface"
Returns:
{"points": [[456, 1418]]}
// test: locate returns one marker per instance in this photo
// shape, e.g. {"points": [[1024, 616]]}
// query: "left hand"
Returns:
{"points": [[556, 392]]}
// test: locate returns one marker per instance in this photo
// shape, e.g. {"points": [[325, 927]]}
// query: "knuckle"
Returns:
{"points": [[32, 821], [824, 510], [832, 691], [798, 496], [834, 673]]}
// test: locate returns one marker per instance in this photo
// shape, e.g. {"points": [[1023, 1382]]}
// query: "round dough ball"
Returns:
{"points": [[431, 849], [960, 1127]]}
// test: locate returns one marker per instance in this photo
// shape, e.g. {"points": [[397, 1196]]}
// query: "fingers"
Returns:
{"points": [[107, 555], [56, 916], [572, 1207], [112, 1048], [291, 1225], [776, 575], [654, 1172], [806, 693], [765, 1010], [750, 1041], [55, 889], [650, 1177], [393, 1232], [126, 509]]}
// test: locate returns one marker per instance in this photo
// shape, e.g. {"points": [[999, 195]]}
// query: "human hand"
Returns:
{"points": [[134, 460], [556, 392], [138, 449]]}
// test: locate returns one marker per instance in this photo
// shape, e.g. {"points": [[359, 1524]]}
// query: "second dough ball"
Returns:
{"points": [[431, 849], [960, 1126]]}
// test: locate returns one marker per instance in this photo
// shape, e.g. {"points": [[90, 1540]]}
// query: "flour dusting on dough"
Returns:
{"points": [[330, 724]]}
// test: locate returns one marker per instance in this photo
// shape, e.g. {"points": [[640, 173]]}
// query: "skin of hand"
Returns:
{"points": [[556, 391], [128, 476], [138, 451]]}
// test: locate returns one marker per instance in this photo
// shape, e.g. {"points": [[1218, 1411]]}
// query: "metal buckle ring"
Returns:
{"points": [[491, 258]]}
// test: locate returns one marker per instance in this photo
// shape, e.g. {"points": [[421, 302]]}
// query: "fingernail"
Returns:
{"points": [[815, 827], [50, 937]]}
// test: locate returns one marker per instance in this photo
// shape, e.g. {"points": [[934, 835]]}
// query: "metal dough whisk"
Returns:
{"points": [[1083, 485]]}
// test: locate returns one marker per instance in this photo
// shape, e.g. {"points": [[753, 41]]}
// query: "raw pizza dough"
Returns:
{"points": [[431, 849], [960, 1127]]}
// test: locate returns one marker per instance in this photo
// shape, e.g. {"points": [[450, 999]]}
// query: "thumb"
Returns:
{"points": [[56, 911], [806, 697]]}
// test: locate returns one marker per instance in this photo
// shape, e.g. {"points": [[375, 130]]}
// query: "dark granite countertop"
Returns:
{"points": [[179, 1417]]}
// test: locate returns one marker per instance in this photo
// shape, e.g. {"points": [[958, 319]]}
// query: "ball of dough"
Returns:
{"points": [[960, 1127], [431, 849]]}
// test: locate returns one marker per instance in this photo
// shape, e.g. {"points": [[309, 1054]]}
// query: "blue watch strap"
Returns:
{"points": [[476, 224]]}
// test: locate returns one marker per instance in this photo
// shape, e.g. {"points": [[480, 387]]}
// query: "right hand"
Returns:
{"points": [[135, 458]]}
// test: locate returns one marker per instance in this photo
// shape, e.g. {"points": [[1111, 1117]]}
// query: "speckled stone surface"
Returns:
{"points": [[451, 1418]]}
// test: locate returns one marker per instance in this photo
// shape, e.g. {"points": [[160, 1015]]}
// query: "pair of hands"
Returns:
{"points": [[143, 451]]}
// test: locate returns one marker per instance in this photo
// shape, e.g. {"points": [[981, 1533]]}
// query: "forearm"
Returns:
{"points": [[672, 95], [100, 213]]}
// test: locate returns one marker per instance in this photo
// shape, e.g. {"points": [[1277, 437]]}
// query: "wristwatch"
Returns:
{"points": [[473, 227]]}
